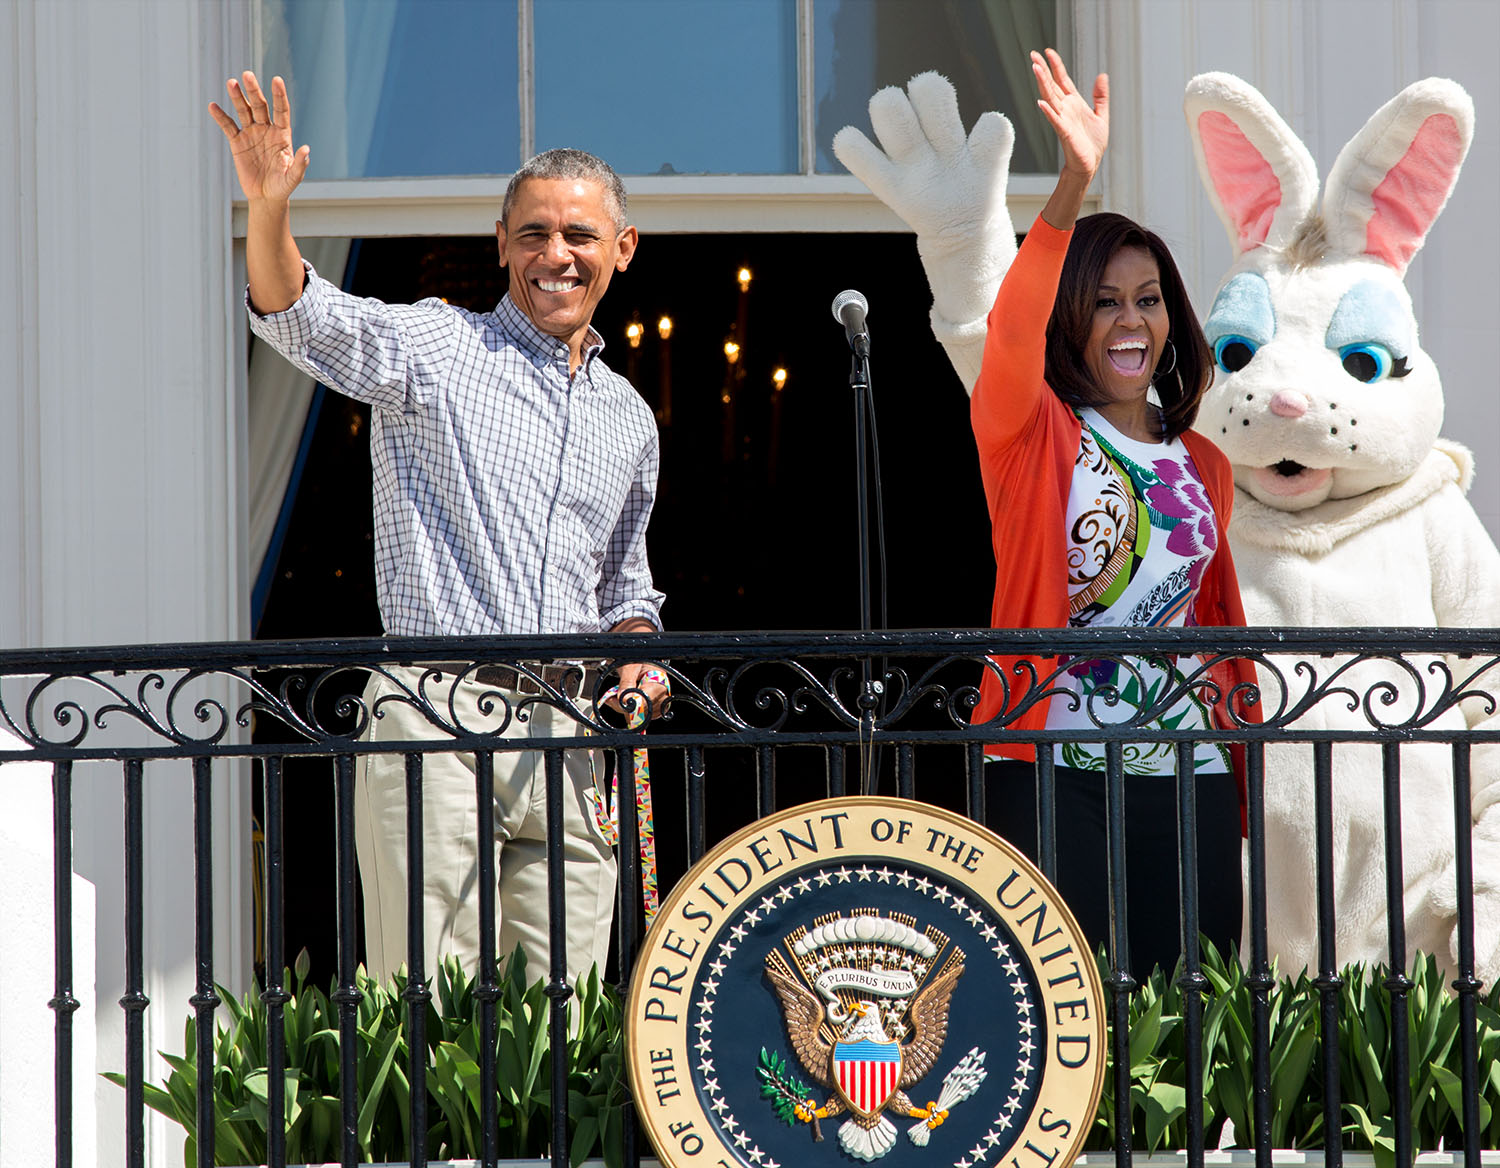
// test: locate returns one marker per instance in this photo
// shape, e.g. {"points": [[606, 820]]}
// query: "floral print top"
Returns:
{"points": [[1140, 534]]}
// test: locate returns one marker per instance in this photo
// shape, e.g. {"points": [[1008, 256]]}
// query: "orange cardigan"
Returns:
{"points": [[1028, 441]]}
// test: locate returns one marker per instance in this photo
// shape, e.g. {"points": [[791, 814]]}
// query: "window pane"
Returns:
{"points": [[670, 86], [980, 45], [385, 88]]}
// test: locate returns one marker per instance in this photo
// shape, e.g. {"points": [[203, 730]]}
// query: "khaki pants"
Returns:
{"points": [[451, 844]]}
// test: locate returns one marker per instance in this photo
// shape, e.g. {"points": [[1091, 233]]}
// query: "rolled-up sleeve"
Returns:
{"points": [[625, 587], [393, 356]]}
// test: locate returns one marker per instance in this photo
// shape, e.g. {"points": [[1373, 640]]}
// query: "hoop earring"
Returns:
{"points": [[1163, 372]]}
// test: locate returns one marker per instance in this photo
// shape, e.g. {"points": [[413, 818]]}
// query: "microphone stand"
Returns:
{"points": [[872, 698], [859, 382]]}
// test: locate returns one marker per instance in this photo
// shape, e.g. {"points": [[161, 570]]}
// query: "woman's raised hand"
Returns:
{"points": [[1083, 129], [261, 141]]}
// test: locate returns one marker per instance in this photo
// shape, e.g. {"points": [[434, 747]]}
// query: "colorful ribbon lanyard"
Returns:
{"points": [[608, 818]]}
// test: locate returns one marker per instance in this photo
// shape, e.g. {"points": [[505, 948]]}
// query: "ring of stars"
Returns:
{"points": [[1027, 1070]]}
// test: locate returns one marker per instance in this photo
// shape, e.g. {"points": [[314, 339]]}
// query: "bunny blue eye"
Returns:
{"points": [[1369, 362], [1372, 324], [1232, 353], [1241, 321]]}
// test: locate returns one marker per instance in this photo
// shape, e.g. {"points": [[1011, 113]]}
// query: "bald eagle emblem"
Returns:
{"points": [[865, 1000]]}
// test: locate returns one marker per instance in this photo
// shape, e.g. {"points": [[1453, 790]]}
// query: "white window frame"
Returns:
{"points": [[467, 205]]}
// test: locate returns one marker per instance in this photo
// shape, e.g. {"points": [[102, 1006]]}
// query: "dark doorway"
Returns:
{"points": [[755, 523]]}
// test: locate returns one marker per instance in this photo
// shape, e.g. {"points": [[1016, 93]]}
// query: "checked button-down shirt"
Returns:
{"points": [[509, 496]]}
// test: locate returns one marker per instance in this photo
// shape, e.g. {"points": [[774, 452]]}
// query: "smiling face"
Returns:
{"points": [[1129, 330], [561, 246]]}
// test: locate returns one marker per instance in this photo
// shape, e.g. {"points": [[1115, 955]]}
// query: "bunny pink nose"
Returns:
{"points": [[1286, 404]]}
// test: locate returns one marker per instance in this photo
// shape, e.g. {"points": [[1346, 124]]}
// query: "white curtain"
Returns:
{"points": [[333, 55], [1018, 28], [280, 395]]}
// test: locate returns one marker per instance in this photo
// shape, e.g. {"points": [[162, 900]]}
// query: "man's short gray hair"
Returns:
{"points": [[565, 162]]}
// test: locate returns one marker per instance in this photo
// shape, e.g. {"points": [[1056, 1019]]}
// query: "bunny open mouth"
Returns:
{"points": [[1287, 478]]}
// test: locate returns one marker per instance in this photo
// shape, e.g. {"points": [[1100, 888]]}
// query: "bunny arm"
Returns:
{"points": [[1466, 594], [949, 188]]}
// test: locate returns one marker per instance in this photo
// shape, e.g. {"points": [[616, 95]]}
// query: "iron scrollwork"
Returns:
{"points": [[195, 700]]}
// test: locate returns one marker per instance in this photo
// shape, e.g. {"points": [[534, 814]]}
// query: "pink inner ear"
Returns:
{"points": [[1243, 179], [1413, 192]]}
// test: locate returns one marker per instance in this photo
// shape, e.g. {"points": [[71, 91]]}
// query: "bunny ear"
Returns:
{"points": [[1259, 176], [1393, 178]]}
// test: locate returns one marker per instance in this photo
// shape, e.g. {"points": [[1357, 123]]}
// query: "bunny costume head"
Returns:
{"points": [[1323, 391]]}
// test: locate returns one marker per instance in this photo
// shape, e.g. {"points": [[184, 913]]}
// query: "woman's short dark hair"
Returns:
{"points": [[1179, 385]]}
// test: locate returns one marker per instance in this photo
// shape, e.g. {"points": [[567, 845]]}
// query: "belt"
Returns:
{"points": [[569, 680]]}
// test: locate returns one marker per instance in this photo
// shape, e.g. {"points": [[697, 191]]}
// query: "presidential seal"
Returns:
{"points": [[866, 979]]}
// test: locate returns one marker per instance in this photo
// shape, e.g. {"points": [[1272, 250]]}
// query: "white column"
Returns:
{"points": [[121, 431]]}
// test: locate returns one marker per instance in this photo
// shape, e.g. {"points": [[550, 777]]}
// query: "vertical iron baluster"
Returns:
{"points": [[1259, 981], [765, 786], [1466, 985], [906, 786], [487, 992], [135, 1001], [347, 994], [974, 777], [1328, 980], [696, 774], [1396, 980], [205, 999], [1120, 982], [416, 994], [557, 986], [1192, 982], [836, 780], [628, 887], [63, 1002], [630, 913], [275, 996], [1046, 811]]}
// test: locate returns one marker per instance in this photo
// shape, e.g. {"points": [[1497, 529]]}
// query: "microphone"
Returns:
{"points": [[849, 309]]}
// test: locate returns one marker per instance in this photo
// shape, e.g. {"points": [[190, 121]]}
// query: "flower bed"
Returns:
{"points": [[597, 1094]]}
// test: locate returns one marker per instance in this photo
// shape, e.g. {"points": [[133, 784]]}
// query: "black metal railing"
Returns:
{"points": [[742, 704]]}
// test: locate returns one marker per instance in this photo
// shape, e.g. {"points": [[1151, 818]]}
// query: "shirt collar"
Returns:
{"points": [[519, 327]]}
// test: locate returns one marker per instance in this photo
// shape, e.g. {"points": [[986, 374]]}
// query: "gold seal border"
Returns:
{"points": [[658, 1057]]}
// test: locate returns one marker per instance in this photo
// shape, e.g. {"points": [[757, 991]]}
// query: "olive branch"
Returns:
{"points": [[780, 1086], [784, 1090]]}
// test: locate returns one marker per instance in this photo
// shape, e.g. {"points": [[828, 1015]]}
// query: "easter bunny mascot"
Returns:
{"points": [[1350, 509], [949, 187]]}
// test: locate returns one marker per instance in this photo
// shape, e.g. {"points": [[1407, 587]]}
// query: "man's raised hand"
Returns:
{"points": [[261, 141]]}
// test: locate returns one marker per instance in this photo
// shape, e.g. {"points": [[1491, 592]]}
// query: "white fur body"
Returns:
{"points": [[1332, 566]]}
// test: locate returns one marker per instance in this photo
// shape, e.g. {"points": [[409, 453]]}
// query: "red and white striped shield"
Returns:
{"points": [[866, 1073]]}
